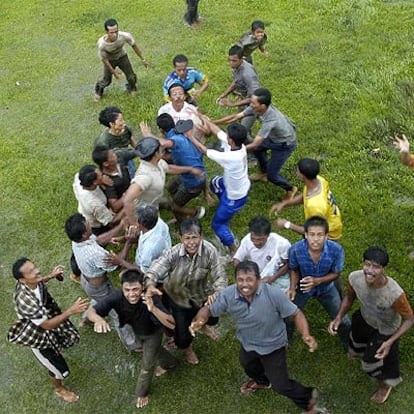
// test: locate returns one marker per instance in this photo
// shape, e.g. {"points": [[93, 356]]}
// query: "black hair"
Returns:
{"points": [[190, 225], [247, 266], [175, 85], [376, 254], [165, 122], [238, 133], [109, 23], [316, 221], [109, 115], [260, 225], [236, 50], [17, 265], [309, 167], [180, 59], [100, 154], [257, 24], [132, 276], [75, 227], [87, 175], [264, 96]]}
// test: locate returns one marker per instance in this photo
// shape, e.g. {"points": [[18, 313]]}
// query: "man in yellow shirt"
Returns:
{"points": [[317, 200]]}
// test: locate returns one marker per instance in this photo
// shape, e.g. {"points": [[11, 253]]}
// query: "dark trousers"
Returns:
{"points": [[272, 369], [183, 318], [279, 153], [191, 15], [124, 64]]}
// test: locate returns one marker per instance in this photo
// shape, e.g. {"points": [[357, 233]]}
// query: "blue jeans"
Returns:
{"points": [[331, 301], [226, 209], [279, 153]]}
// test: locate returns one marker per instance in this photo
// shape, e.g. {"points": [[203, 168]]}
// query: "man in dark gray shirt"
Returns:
{"points": [[258, 310]]}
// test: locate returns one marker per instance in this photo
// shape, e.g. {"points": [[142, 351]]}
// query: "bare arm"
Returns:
{"points": [[138, 52], [258, 140], [111, 69], [78, 307], [199, 320], [302, 326], [346, 305], [229, 119], [165, 318], [130, 197], [99, 324], [106, 237], [294, 279]]}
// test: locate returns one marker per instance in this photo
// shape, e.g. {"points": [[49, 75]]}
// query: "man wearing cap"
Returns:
{"points": [[149, 181], [185, 187]]}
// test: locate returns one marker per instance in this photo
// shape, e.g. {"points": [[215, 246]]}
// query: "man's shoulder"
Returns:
{"points": [[279, 240]]}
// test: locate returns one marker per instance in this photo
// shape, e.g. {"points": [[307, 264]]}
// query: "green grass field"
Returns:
{"points": [[343, 72]]}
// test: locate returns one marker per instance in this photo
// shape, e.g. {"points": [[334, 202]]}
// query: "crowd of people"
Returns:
{"points": [[170, 292]]}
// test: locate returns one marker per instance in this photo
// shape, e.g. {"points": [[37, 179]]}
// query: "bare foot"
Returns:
{"points": [[191, 356], [210, 200], [159, 371], [291, 193], [258, 177], [209, 331], [142, 402], [66, 395]]}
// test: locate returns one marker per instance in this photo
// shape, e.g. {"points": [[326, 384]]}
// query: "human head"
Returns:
{"points": [[259, 228], [238, 133], [260, 100], [316, 232], [104, 156], [132, 281], [147, 148], [147, 215], [247, 277], [375, 260], [17, 266], [191, 235], [235, 57], [180, 63], [309, 168], [258, 29], [111, 27], [109, 115], [165, 122], [176, 90], [89, 176], [77, 228]]}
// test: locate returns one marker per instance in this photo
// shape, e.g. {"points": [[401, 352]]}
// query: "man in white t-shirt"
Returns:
{"points": [[233, 187], [269, 250]]}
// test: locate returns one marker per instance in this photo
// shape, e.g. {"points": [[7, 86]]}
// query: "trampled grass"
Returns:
{"points": [[341, 70]]}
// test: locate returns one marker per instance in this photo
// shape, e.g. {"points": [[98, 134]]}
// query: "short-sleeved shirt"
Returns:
{"points": [[119, 143], [188, 111], [382, 307], [92, 204], [120, 184], [151, 244], [192, 76], [259, 324], [137, 315], [275, 244], [151, 180], [246, 80], [275, 126], [249, 43], [114, 50], [331, 260], [184, 153], [90, 256], [235, 176], [324, 204]]}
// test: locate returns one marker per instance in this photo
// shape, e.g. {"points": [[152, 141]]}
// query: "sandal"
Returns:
{"points": [[251, 386], [66, 395], [382, 394]]}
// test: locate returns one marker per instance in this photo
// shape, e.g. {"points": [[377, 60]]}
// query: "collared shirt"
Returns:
{"points": [[184, 153], [188, 111], [190, 278], [121, 144], [114, 50], [137, 315], [192, 76], [152, 244], [259, 324], [246, 79], [234, 163], [89, 256], [92, 204], [249, 43], [31, 309], [120, 180], [331, 260], [151, 180], [275, 126]]}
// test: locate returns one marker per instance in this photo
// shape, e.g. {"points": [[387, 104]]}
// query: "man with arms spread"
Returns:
{"points": [[42, 325], [277, 134], [147, 316], [258, 310], [383, 318], [314, 263], [194, 275], [113, 54]]}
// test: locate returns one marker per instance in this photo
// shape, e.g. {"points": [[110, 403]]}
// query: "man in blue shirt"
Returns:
{"points": [[187, 77], [258, 310], [314, 264]]}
